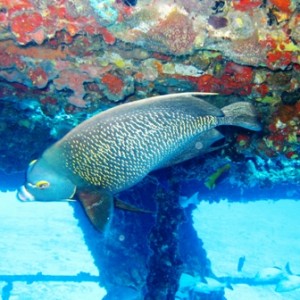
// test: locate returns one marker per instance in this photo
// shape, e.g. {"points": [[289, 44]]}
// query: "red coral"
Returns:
{"points": [[236, 79], [58, 18], [283, 5], [114, 84], [38, 77], [278, 58], [93, 28], [245, 5], [29, 25], [297, 67], [262, 89], [108, 37], [208, 83], [23, 25], [268, 43], [291, 154], [15, 6], [243, 140], [283, 130], [58, 11], [241, 74]]}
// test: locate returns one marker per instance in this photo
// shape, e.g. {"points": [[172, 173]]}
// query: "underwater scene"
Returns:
{"points": [[150, 149]]}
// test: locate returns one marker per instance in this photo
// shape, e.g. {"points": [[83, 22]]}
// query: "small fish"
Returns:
{"points": [[287, 284], [187, 281], [211, 181], [196, 285], [241, 263], [209, 285], [185, 201], [269, 275], [116, 149]]}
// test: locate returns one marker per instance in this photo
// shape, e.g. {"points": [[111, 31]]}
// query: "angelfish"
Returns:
{"points": [[115, 149]]}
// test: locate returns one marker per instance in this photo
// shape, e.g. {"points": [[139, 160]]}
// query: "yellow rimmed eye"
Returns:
{"points": [[43, 184]]}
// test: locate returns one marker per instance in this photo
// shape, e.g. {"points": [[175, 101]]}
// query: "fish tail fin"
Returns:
{"points": [[241, 114]]}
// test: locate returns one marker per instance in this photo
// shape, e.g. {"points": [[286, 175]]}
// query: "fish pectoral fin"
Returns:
{"points": [[98, 207], [125, 206]]}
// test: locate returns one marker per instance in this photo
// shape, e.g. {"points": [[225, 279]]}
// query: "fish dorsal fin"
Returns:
{"points": [[187, 103], [288, 268], [98, 207], [125, 206]]}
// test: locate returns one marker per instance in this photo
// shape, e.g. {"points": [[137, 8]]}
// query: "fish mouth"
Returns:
{"points": [[23, 194]]}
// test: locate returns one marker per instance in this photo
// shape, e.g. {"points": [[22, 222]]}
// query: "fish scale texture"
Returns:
{"points": [[115, 154]]}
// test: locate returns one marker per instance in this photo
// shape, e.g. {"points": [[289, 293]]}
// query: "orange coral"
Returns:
{"points": [[36, 52], [236, 79], [283, 5], [114, 84], [159, 67], [262, 89], [279, 58], [245, 5]]}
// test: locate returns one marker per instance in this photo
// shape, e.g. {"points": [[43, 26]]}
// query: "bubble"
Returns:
{"points": [[121, 237], [198, 145]]}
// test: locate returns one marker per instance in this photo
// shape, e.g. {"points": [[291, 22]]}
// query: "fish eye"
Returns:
{"points": [[42, 184]]}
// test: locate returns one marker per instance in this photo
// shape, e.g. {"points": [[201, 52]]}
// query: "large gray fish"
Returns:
{"points": [[115, 149]]}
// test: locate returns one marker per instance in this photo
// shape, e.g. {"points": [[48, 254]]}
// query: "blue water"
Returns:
{"points": [[50, 250]]}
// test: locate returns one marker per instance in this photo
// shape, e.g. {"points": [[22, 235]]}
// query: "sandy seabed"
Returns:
{"points": [[44, 238], [265, 232], [40, 240]]}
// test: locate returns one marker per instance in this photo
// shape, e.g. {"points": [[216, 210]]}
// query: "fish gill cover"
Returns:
{"points": [[63, 61]]}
